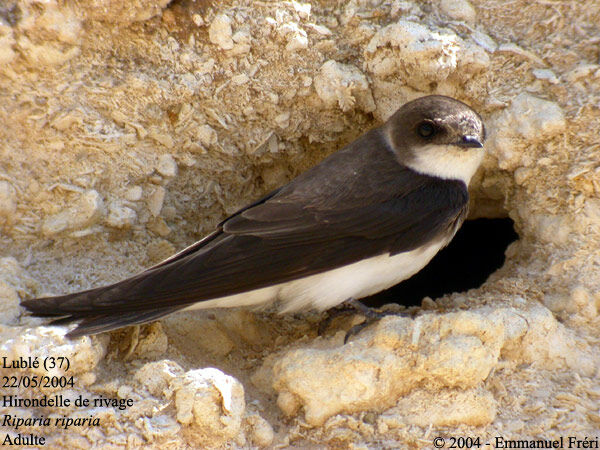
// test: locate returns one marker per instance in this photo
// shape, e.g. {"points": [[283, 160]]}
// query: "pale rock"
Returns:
{"points": [[159, 250], [453, 407], [15, 284], [159, 226], [484, 41], [538, 338], [124, 391], [319, 29], [583, 70], [152, 342], [120, 216], [210, 403], [63, 23], [7, 53], [220, 32], [8, 199], [240, 79], [297, 38], [558, 302], [243, 324], [66, 120], [242, 42], [87, 378], [509, 47], [390, 96], [404, 8], [522, 174], [84, 353], [267, 144], [546, 74], [343, 85], [584, 302], [173, 44], [297, 42], [473, 59], [117, 11], [208, 334], [47, 54], [387, 361], [261, 431], [156, 376], [162, 138], [533, 341], [198, 20], [537, 117], [274, 176], [156, 200], [458, 10], [205, 68], [527, 121], [88, 231], [169, 212], [591, 214], [283, 120], [452, 354], [166, 166], [302, 9], [349, 11], [87, 210], [134, 193], [157, 427], [549, 228], [206, 135], [9, 302], [414, 52]]}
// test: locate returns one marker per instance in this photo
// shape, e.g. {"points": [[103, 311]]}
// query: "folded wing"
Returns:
{"points": [[356, 204]]}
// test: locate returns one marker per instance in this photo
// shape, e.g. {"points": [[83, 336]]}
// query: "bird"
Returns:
{"points": [[367, 217]]}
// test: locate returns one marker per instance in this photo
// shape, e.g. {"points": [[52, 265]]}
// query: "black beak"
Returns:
{"points": [[469, 141]]}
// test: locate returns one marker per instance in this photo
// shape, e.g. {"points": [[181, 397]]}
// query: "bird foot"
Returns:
{"points": [[353, 306]]}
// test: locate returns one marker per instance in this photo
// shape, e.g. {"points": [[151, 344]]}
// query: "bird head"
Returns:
{"points": [[437, 136]]}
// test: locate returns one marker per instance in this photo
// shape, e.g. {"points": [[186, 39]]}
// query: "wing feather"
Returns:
{"points": [[358, 203]]}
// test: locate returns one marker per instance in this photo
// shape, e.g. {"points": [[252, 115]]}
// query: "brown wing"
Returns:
{"points": [[356, 204]]}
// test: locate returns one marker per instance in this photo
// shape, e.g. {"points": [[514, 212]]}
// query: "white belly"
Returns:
{"points": [[328, 289]]}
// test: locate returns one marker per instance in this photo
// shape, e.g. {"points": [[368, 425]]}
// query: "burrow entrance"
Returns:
{"points": [[474, 254]]}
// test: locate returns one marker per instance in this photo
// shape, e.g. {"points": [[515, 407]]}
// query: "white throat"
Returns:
{"points": [[446, 161]]}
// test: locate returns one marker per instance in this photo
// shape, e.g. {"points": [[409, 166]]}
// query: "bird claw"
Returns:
{"points": [[371, 316], [350, 306], [353, 306]]}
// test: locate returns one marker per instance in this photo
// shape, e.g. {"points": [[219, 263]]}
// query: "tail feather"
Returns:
{"points": [[104, 322], [78, 303], [72, 308]]}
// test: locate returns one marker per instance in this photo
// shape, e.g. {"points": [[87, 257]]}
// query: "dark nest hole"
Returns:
{"points": [[474, 254]]}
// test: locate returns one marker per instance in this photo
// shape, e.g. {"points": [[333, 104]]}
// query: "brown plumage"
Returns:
{"points": [[397, 189]]}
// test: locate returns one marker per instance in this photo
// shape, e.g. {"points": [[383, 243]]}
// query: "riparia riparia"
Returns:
{"points": [[367, 217]]}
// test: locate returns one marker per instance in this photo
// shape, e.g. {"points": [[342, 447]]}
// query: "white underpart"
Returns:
{"points": [[447, 161], [328, 289], [369, 276]]}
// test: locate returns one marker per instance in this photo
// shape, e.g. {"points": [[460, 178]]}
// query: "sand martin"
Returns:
{"points": [[369, 216]]}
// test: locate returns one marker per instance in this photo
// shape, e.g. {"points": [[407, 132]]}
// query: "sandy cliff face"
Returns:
{"points": [[129, 129]]}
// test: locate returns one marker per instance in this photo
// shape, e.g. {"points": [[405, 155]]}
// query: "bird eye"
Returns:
{"points": [[426, 129]]}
